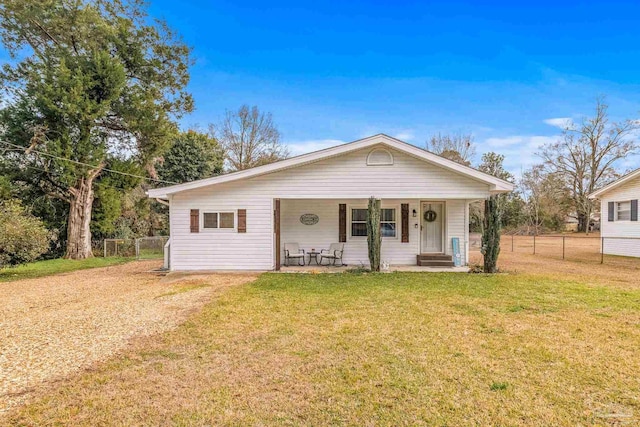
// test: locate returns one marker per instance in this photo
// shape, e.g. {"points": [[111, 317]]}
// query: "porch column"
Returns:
{"points": [[276, 227]]}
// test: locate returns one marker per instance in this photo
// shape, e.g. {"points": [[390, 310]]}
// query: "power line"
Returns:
{"points": [[88, 165]]}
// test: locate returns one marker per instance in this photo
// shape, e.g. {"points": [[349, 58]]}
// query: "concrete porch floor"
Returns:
{"points": [[392, 268]]}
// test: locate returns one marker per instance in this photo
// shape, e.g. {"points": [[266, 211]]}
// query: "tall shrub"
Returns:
{"points": [[374, 238], [23, 237], [491, 234]]}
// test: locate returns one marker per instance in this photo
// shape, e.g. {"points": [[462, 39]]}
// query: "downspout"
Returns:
{"points": [[162, 202]]}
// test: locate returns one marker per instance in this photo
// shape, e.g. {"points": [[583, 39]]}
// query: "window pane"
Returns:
{"points": [[226, 219], [388, 215], [210, 220], [358, 214], [358, 229], [388, 229]]}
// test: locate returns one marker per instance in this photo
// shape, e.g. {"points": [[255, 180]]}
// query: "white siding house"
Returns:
{"points": [[242, 220], [619, 225]]}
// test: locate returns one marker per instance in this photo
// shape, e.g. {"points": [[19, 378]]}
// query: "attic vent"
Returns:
{"points": [[379, 157]]}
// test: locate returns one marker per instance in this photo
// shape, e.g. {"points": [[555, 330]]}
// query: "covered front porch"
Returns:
{"points": [[314, 269], [419, 234]]}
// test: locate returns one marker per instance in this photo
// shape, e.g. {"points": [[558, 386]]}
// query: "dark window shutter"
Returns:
{"points": [[405, 223], [242, 220], [612, 211], [634, 210], [342, 223], [195, 220]]}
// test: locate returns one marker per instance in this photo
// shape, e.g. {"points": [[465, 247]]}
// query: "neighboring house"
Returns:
{"points": [[241, 220], [619, 223]]}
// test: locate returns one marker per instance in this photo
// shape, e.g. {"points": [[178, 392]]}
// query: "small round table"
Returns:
{"points": [[313, 255]]}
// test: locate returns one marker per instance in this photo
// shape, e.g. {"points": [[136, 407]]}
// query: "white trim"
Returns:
{"points": [[615, 184], [496, 185]]}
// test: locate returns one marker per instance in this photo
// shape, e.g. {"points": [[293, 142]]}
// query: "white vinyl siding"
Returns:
{"points": [[310, 188], [620, 232]]}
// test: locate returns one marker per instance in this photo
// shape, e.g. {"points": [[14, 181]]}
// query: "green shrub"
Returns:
{"points": [[23, 237]]}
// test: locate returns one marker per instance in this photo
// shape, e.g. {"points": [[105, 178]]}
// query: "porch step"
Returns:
{"points": [[436, 263], [434, 260]]}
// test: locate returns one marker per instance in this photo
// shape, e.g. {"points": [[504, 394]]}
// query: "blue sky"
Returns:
{"points": [[337, 71]]}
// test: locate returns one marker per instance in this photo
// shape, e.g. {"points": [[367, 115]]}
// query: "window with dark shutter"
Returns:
{"points": [[242, 220], [195, 220], [405, 222], [612, 212], [634, 210], [342, 222]]}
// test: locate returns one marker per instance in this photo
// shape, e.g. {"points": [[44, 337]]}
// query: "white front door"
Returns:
{"points": [[432, 220]]}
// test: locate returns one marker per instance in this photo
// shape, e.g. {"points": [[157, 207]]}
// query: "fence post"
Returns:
{"points": [[602, 251], [105, 247], [563, 237], [137, 245], [512, 243], [534, 244]]}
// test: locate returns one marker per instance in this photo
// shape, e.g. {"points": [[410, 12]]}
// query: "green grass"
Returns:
{"points": [[386, 349], [56, 266]]}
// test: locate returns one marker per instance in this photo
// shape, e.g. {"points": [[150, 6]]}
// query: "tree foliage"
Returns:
{"points": [[23, 237], [374, 236], [547, 200], [249, 138], [94, 84], [457, 147], [191, 156], [491, 234], [584, 158]]}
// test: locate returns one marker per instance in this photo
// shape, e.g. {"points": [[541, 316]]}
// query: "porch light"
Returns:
{"points": [[415, 213]]}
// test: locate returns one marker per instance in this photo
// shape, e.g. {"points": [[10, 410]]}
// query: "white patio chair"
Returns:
{"points": [[293, 251], [333, 254]]}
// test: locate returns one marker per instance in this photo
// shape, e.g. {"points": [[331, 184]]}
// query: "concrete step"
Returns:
{"points": [[435, 263]]}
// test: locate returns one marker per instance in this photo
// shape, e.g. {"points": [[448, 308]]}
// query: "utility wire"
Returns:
{"points": [[88, 165]]}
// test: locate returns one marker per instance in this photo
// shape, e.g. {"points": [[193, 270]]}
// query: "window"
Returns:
{"points": [[358, 223], [387, 222], [379, 157], [623, 211], [218, 220]]}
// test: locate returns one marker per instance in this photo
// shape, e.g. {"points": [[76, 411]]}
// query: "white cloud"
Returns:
{"points": [[302, 147], [405, 135], [504, 142], [559, 122], [519, 150]]}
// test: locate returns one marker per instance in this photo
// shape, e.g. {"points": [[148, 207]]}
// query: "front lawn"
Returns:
{"points": [[56, 266], [387, 349]]}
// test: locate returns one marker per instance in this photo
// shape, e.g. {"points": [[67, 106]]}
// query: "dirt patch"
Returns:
{"points": [[53, 326]]}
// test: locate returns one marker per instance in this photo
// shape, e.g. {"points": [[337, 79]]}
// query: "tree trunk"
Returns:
{"points": [[78, 228], [582, 222]]}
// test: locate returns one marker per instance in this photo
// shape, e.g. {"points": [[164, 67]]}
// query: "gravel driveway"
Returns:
{"points": [[53, 326]]}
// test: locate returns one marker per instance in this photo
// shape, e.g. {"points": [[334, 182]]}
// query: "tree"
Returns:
{"points": [[93, 83], [374, 237], [546, 200], [192, 156], [23, 237], [491, 234], [457, 147], [585, 156], [250, 138]]}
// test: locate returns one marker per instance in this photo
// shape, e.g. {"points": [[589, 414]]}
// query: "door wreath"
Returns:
{"points": [[430, 216]]}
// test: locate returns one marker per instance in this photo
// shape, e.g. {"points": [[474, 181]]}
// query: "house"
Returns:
{"points": [[619, 225], [242, 220]]}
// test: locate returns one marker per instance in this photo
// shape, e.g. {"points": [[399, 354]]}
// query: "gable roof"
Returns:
{"points": [[615, 184], [496, 185]]}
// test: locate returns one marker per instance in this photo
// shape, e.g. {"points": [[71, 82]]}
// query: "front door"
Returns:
{"points": [[432, 220]]}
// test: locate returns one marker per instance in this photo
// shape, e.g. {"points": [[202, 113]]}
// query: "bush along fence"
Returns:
{"points": [[585, 248]]}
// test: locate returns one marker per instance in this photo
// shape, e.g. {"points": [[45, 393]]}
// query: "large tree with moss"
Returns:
{"points": [[94, 85]]}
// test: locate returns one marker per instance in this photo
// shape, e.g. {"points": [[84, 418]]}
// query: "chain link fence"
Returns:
{"points": [[591, 249], [141, 248]]}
